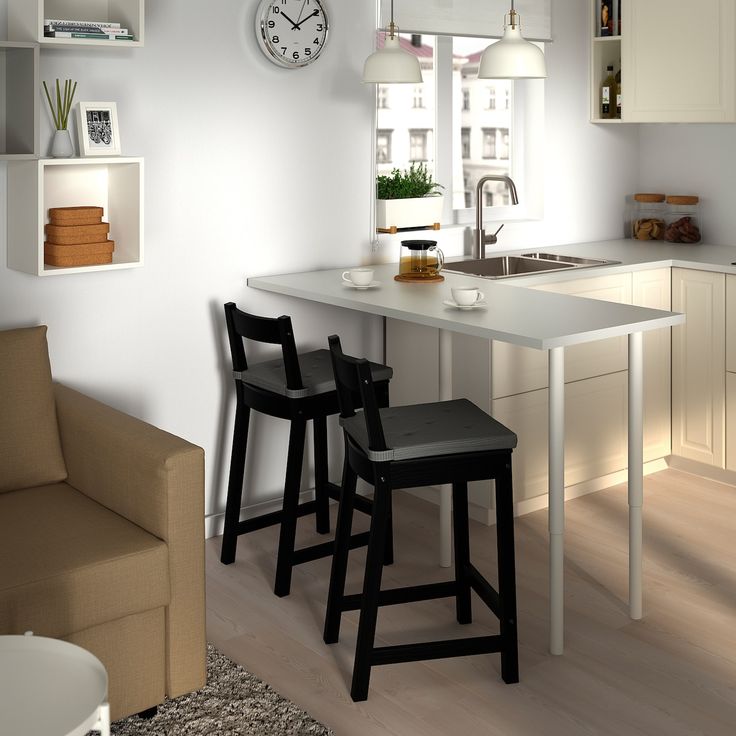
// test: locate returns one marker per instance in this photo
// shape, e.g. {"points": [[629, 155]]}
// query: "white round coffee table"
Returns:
{"points": [[49, 687]]}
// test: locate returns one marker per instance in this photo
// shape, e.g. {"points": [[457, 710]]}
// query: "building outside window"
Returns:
{"points": [[491, 105], [418, 145], [383, 146], [418, 96], [496, 143], [507, 99], [466, 99], [465, 142], [382, 97]]}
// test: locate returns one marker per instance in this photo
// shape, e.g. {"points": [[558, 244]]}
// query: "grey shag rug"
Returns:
{"points": [[232, 703]]}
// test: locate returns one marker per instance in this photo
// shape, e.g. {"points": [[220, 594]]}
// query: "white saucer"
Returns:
{"points": [[372, 285], [477, 305]]}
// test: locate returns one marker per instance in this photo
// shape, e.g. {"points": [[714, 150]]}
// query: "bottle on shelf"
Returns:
{"points": [[618, 92], [608, 95]]}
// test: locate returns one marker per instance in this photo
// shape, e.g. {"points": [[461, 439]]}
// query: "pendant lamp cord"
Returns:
{"points": [[512, 15], [392, 25]]}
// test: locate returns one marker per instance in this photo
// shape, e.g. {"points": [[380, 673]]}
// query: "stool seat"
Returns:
{"points": [[317, 375], [428, 430]]}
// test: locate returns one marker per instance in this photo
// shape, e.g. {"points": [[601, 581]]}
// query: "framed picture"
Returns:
{"points": [[97, 125]]}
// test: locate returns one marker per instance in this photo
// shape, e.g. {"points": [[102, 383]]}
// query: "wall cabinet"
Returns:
{"points": [[678, 61], [698, 366], [26, 17], [115, 184], [19, 100]]}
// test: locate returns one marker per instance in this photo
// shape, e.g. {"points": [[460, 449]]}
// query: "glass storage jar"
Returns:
{"points": [[682, 221], [647, 222]]}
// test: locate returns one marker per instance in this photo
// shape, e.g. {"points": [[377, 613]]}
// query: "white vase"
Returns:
{"points": [[415, 212], [61, 145]]}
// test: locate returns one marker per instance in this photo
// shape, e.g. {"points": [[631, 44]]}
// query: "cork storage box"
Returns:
{"points": [[75, 215], [86, 254], [77, 234]]}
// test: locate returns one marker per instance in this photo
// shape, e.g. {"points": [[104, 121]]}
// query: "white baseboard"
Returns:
{"points": [[706, 471]]}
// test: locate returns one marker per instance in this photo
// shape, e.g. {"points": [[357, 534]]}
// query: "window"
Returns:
{"points": [[383, 146], [382, 97], [465, 142], [418, 145], [476, 140], [466, 99]]}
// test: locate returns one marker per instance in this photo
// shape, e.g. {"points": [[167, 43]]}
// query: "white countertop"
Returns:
{"points": [[521, 316]]}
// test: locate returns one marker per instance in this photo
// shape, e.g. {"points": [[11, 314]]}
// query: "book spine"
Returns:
{"points": [[98, 36], [52, 22], [85, 29]]}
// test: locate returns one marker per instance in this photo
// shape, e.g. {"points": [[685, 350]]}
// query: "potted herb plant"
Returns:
{"points": [[408, 198], [60, 106]]}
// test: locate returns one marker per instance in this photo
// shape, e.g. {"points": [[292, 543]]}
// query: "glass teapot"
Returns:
{"points": [[420, 259]]}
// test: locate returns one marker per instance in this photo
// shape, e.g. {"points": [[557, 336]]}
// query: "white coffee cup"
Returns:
{"points": [[358, 276], [466, 296]]}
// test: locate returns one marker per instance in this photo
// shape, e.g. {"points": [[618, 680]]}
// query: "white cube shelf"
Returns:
{"points": [[19, 100], [115, 184], [26, 17]]}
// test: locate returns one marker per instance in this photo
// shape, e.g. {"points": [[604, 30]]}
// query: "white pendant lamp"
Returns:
{"points": [[512, 57], [391, 64]]}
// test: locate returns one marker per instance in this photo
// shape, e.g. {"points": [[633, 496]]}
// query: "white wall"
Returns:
{"points": [[252, 170], [694, 159]]}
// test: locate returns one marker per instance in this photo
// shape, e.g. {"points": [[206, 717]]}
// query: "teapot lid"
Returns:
{"points": [[419, 244]]}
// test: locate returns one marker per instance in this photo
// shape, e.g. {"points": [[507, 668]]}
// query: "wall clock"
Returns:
{"points": [[292, 33]]}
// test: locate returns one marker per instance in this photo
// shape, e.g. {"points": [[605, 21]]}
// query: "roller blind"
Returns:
{"points": [[468, 17]]}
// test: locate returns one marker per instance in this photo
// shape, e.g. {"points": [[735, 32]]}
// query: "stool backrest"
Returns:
{"points": [[353, 378], [272, 330]]}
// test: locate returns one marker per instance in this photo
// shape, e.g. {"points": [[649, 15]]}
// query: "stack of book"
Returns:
{"points": [[76, 236], [101, 30]]}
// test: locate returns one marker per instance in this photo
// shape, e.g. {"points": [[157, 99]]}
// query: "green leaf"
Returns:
{"points": [[412, 182]]}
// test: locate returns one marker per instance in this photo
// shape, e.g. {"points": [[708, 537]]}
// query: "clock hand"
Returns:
{"points": [[299, 25], [301, 10], [294, 24]]}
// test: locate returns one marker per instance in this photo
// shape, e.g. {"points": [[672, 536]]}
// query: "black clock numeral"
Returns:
{"points": [[295, 55], [319, 27], [275, 39], [316, 42], [308, 51], [283, 51], [276, 10], [271, 24]]}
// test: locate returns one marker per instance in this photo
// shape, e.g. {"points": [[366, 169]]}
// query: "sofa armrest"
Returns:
{"points": [[155, 480]]}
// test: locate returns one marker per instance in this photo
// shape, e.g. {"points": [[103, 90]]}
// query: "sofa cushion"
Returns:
{"points": [[67, 563], [30, 451]]}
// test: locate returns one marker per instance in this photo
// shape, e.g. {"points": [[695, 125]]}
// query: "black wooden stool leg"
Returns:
{"points": [[291, 502], [462, 552], [371, 590], [340, 555], [235, 483], [506, 574], [321, 491]]}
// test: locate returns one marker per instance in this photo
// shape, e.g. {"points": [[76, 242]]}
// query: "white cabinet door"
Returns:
{"points": [[731, 421], [517, 369], [595, 432], [413, 352], [730, 323], [678, 61], [653, 289], [698, 366]]}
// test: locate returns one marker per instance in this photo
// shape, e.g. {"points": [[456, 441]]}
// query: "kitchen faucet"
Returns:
{"points": [[481, 239]]}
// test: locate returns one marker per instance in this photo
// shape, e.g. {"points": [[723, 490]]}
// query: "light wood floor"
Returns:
{"points": [[671, 674]]}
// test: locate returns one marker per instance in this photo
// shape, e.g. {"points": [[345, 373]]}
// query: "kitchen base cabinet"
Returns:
{"points": [[698, 366], [730, 421]]}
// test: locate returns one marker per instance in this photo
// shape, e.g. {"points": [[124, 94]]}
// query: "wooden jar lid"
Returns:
{"points": [[644, 197], [682, 199]]}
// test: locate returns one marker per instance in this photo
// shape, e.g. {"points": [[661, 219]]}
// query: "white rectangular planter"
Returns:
{"points": [[414, 212]]}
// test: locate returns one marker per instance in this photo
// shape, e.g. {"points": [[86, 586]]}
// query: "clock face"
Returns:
{"points": [[292, 33]]}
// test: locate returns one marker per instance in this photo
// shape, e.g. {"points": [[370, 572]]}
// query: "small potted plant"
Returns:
{"points": [[407, 198], [60, 106]]}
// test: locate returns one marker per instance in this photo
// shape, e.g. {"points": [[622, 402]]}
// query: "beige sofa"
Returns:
{"points": [[101, 531]]}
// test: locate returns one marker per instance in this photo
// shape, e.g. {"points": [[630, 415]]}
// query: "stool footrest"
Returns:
{"points": [[484, 590], [409, 594], [275, 517], [317, 551], [436, 649]]}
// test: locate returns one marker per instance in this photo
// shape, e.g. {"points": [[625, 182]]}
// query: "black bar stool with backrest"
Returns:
{"points": [[407, 447], [298, 388]]}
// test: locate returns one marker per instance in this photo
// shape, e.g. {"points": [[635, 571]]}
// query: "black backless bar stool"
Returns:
{"points": [[297, 388], [407, 447]]}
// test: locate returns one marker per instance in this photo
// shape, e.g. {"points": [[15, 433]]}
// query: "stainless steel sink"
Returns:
{"points": [[501, 267]]}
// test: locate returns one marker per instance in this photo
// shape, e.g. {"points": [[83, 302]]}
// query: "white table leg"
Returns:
{"points": [[556, 440], [445, 379], [103, 723], [636, 471]]}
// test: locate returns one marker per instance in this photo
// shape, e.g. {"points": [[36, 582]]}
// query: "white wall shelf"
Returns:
{"points": [[115, 184], [26, 17], [19, 100]]}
